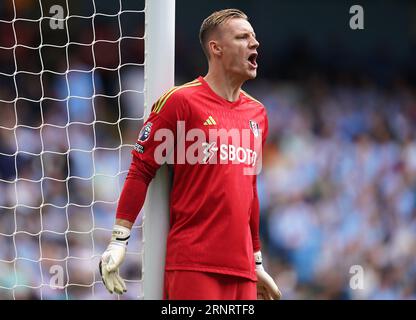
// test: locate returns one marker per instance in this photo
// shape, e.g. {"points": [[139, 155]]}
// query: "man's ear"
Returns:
{"points": [[215, 48]]}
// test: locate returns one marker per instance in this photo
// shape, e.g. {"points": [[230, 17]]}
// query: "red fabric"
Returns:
{"points": [[131, 199], [214, 211], [193, 285], [255, 219]]}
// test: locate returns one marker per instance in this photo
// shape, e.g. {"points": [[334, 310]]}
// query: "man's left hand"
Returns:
{"points": [[267, 289]]}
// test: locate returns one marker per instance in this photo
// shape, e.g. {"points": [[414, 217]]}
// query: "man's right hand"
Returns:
{"points": [[112, 258]]}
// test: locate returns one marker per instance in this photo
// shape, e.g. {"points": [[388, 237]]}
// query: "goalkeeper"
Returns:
{"points": [[213, 245]]}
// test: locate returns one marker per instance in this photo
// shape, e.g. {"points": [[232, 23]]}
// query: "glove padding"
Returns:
{"points": [[112, 258], [266, 287]]}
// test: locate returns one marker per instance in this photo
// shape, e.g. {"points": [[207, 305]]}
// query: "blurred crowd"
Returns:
{"points": [[337, 189]]}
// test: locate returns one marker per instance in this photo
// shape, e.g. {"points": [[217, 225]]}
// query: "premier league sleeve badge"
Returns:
{"points": [[145, 132]]}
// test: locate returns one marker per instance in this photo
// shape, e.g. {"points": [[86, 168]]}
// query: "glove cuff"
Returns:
{"points": [[120, 235], [258, 260]]}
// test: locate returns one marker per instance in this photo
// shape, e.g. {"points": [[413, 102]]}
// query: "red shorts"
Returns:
{"points": [[195, 285]]}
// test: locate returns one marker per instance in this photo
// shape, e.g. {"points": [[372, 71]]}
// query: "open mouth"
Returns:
{"points": [[252, 58]]}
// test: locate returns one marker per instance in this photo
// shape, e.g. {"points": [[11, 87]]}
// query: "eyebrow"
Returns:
{"points": [[247, 32]]}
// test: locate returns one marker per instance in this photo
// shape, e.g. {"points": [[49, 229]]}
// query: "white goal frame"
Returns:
{"points": [[159, 77]]}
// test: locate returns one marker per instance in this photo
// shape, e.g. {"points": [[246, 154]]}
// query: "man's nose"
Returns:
{"points": [[254, 43]]}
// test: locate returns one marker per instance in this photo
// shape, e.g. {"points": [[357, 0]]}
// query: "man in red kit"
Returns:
{"points": [[211, 133]]}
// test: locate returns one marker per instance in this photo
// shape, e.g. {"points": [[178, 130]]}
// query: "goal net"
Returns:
{"points": [[72, 97]]}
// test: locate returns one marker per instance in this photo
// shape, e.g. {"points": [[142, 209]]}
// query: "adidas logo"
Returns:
{"points": [[210, 121]]}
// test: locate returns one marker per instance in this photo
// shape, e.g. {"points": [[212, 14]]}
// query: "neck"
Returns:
{"points": [[224, 85]]}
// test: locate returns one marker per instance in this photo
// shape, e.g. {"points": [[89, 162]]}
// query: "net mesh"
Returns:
{"points": [[71, 101]]}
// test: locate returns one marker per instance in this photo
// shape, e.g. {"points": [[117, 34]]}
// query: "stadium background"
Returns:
{"points": [[338, 185]]}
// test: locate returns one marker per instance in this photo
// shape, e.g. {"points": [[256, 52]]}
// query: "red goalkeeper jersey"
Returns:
{"points": [[214, 149]]}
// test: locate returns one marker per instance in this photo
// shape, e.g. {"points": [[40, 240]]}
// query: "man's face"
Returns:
{"points": [[238, 44]]}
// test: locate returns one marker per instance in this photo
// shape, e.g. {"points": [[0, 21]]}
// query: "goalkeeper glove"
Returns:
{"points": [[112, 259], [266, 287]]}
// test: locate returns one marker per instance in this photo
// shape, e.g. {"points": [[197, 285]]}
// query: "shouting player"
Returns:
{"points": [[213, 246]]}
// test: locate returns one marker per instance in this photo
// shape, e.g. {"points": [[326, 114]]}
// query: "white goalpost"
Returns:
{"points": [[159, 77], [77, 80]]}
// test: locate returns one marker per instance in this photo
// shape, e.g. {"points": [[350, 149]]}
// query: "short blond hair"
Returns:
{"points": [[212, 22]]}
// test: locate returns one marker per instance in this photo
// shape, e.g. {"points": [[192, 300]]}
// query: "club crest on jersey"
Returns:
{"points": [[254, 127], [145, 132]]}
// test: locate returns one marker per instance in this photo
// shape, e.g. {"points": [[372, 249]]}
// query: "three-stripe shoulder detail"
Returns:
{"points": [[250, 97], [162, 100]]}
